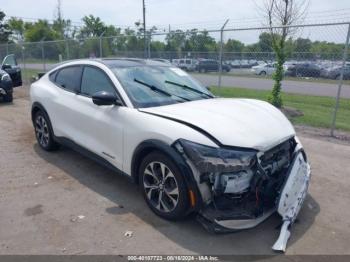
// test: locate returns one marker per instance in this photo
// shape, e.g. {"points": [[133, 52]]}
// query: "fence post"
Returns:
{"points": [[67, 48], [340, 84], [101, 43], [23, 62], [43, 54], [149, 46], [221, 50]]}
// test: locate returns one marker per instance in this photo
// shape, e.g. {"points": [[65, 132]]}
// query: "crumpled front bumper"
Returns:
{"points": [[290, 200]]}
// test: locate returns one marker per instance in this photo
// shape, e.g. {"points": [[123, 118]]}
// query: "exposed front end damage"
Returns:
{"points": [[241, 187]]}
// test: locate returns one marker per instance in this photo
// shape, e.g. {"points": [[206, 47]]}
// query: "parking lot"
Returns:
{"points": [[64, 203]]}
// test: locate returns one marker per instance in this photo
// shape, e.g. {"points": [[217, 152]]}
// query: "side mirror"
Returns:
{"points": [[6, 66], [104, 98]]}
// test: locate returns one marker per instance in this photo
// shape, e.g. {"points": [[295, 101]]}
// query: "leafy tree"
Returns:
{"points": [[40, 31], [233, 45], [5, 31], [17, 27], [282, 13], [265, 42], [93, 27]]}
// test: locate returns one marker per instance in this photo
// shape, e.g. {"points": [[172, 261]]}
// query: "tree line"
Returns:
{"points": [[83, 41]]}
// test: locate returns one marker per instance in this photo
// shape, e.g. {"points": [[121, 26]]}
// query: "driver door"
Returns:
{"points": [[9, 64], [101, 127]]}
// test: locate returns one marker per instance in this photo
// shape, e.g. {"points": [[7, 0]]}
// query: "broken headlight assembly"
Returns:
{"points": [[216, 160], [226, 170]]}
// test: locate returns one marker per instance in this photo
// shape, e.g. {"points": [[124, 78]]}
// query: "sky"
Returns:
{"points": [[186, 14]]}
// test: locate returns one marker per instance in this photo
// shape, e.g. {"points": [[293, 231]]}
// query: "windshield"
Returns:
{"points": [[149, 86]]}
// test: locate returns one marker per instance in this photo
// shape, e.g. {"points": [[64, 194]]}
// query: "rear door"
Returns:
{"points": [[9, 64], [101, 127], [65, 118]]}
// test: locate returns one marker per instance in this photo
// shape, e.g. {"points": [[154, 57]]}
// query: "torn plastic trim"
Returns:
{"points": [[292, 197]]}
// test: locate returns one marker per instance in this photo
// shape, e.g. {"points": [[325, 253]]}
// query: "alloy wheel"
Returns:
{"points": [[42, 131], [161, 187]]}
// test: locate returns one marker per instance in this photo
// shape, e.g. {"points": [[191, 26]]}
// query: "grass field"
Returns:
{"points": [[317, 110], [288, 78], [28, 73]]}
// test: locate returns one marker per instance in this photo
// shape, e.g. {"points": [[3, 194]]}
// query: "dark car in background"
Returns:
{"points": [[209, 65], [9, 65], [6, 86], [304, 70], [335, 72]]}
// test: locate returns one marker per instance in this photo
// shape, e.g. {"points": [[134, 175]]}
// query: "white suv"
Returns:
{"points": [[232, 161]]}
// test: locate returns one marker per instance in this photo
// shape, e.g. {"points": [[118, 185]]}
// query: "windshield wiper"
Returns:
{"points": [[188, 88], [158, 90]]}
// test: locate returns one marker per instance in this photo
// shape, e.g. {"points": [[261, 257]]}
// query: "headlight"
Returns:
{"points": [[5, 77], [210, 159]]}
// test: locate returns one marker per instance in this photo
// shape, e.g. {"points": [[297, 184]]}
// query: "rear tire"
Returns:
{"points": [[8, 98], [262, 73], [43, 132], [163, 186]]}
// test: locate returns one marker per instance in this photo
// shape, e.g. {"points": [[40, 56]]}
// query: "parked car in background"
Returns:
{"points": [[264, 69], [9, 64], [304, 70], [166, 61], [334, 72], [187, 64], [209, 65], [242, 63], [6, 86]]}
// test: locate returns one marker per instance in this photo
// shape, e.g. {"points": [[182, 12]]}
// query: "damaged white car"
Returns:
{"points": [[232, 161]]}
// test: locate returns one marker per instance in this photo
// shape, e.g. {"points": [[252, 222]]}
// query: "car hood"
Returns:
{"points": [[244, 123]]}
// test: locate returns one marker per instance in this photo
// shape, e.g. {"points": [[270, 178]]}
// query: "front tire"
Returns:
{"points": [[163, 187], [43, 132]]}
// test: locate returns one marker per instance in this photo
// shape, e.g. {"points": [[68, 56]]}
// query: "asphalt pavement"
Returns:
{"points": [[289, 86]]}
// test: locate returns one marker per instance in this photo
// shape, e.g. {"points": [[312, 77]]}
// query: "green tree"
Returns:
{"points": [[93, 26], [5, 31], [282, 13], [233, 45], [40, 31], [17, 27]]}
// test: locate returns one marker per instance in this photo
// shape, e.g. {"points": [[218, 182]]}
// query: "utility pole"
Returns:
{"points": [[144, 28], [59, 17]]}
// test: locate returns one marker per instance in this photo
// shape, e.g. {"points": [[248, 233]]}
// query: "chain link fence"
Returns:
{"points": [[236, 62]]}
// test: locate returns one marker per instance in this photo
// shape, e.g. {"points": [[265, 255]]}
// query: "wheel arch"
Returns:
{"points": [[148, 146], [36, 107]]}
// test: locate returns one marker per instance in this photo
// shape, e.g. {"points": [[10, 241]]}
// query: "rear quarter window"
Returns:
{"points": [[69, 78]]}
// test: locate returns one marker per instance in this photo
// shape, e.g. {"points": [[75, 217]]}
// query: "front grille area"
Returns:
{"points": [[278, 157]]}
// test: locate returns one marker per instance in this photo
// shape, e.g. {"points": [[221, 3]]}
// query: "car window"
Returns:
{"points": [[10, 60], [95, 80], [52, 76], [188, 62], [181, 61], [69, 78]]}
